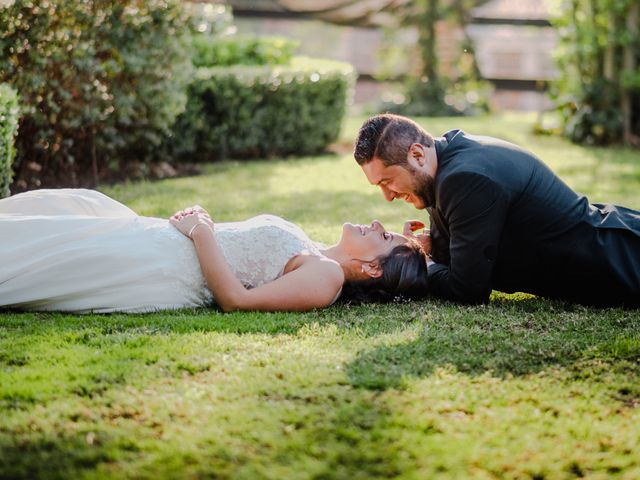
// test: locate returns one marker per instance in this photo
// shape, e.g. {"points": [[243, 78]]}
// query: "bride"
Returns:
{"points": [[80, 251]]}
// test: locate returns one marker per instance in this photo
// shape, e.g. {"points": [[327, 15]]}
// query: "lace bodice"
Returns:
{"points": [[258, 249]]}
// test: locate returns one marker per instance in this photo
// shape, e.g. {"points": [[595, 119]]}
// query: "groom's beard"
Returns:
{"points": [[424, 187]]}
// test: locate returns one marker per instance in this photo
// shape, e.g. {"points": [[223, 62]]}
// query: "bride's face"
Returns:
{"points": [[368, 242]]}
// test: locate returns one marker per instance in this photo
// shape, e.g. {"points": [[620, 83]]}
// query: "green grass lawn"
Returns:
{"points": [[520, 389]]}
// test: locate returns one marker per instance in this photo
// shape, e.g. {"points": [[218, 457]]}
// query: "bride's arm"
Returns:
{"points": [[314, 284]]}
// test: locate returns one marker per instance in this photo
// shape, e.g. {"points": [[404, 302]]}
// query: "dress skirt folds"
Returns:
{"points": [[81, 251]]}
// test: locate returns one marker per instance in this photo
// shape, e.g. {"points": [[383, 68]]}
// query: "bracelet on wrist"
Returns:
{"points": [[190, 234]]}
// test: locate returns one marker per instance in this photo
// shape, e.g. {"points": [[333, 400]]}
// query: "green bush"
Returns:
{"points": [[212, 51], [593, 118], [246, 111], [8, 129], [210, 18], [101, 83], [598, 88]]}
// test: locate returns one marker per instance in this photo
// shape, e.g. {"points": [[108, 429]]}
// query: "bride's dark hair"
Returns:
{"points": [[404, 276]]}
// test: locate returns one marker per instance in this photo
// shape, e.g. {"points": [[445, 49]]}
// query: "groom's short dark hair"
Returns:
{"points": [[388, 137]]}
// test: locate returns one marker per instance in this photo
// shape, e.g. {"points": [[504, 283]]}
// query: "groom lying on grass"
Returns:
{"points": [[501, 219]]}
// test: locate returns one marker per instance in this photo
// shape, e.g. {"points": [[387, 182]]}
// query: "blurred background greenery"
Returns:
{"points": [[109, 91]]}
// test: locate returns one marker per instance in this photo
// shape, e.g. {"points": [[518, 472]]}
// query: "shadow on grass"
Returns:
{"points": [[507, 338], [355, 434], [50, 457], [513, 335], [353, 437]]}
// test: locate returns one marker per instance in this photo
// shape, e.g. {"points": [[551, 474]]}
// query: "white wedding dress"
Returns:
{"points": [[80, 251]]}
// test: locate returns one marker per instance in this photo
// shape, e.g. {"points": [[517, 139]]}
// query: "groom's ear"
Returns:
{"points": [[372, 269], [417, 154]]}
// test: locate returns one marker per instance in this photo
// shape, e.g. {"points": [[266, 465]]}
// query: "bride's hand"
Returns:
{"points": [[197, 209], [188, 219], [203, 214]]}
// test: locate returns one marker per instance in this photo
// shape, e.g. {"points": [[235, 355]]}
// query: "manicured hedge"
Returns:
{"points": [[245, 111], [213, 51], [101, 84], [8, 128]]}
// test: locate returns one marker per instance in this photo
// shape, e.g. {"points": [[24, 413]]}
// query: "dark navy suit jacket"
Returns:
{"points": [[503, 220]]}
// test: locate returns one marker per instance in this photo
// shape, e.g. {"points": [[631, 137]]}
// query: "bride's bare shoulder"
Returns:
{"points": [[319, 264]]}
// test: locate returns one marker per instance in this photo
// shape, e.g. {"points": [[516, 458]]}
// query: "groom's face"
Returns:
{"points": [[406, 182]]}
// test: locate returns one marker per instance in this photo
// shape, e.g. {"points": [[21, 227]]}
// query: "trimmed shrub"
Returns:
{"points": [[211, 51], [246, 111], [101, 83], [8, 128]]}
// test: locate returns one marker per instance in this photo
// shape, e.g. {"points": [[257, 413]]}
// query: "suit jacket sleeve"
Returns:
{"points": [[475, 208], [439, 243]]}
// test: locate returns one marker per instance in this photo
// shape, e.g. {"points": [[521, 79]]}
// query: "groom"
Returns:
{"points": [[501, 219]]}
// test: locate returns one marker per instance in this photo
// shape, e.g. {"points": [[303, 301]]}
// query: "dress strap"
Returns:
{"points": [[335, 299]]}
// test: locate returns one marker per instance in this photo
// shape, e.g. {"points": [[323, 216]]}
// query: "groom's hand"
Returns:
{"points": [[425, 240], [409, 229], [411, 226]]}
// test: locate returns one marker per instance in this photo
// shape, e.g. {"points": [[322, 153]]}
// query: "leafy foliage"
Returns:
{"points": [[210, 19], [598, 93], [251, 97], [8, 129], [252, 111], [102, 83], [430, 90], [209, 51]]}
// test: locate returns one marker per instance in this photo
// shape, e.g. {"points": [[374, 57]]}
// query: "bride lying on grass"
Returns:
{"points": [[80, 251]]}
